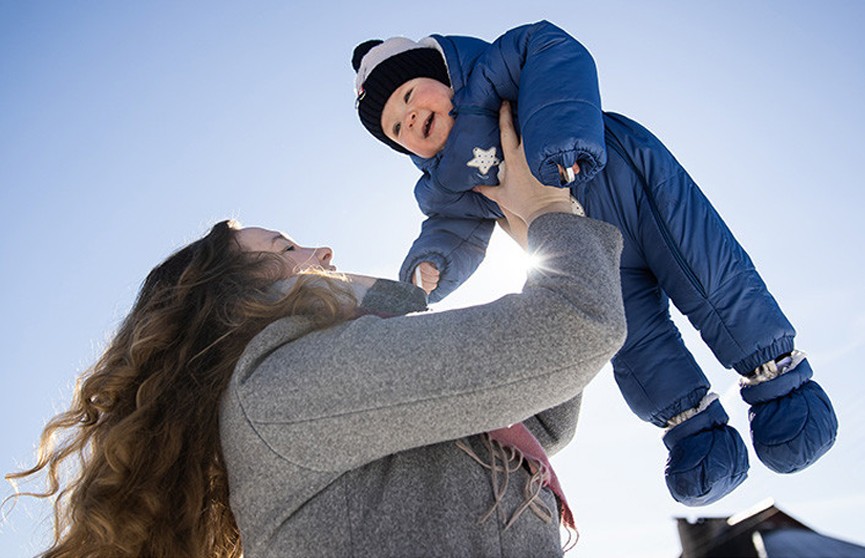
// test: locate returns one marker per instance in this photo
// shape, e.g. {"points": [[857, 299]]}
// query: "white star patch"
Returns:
{"points": [[484, 159]]}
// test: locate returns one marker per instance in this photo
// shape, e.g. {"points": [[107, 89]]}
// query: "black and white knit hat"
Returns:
{"points": [[382, 66]]}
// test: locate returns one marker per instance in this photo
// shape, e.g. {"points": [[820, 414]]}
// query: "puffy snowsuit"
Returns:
{"points": [[676, 246]]}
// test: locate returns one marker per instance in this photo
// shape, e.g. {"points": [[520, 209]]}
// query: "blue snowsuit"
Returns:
{"points": [[676, 246]]}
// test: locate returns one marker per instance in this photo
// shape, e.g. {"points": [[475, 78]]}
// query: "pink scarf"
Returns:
{"points": [[518, 436]]}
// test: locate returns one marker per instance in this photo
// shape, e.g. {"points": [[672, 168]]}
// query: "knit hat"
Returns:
{"points": [[383, 66]]}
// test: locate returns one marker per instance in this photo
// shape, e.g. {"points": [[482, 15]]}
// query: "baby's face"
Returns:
{"points": [[417, 116]]}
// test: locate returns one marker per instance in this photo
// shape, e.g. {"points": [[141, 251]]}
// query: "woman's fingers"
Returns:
{"points": [[487, 191], [509, 139]]}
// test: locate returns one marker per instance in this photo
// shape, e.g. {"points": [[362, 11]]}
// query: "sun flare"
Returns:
{"points": [[503, 271]]}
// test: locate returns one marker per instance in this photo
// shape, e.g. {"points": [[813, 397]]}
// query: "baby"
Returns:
{"points": [[437, 100]]}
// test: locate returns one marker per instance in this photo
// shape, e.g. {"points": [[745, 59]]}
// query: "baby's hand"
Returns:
{"points": [[570, 174], [426, 276]]}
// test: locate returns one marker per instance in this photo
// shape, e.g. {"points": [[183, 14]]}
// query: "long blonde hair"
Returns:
{"points": [[143, 424]]}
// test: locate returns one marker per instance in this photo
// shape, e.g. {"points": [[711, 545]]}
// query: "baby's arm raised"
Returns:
{"points": [[554, 80]]}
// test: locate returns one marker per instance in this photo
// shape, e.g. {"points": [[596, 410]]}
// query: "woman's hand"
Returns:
{"points": [[515, 227], [519, 192]]}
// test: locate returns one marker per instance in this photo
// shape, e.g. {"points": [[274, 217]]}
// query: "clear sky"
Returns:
{"points": [[127, 128]]}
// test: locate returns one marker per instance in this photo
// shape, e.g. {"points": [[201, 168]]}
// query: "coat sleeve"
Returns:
{"points": [[555, 427], [338, 398], [554, 81]]}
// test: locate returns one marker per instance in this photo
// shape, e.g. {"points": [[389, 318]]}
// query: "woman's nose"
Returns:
{"points": [[324, 255]]}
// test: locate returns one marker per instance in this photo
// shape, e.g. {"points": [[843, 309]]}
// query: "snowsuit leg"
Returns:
{"points": [[695, 257], [681, 248], [657, 374], [711, 279]]}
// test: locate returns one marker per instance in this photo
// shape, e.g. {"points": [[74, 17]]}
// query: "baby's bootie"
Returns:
{"points": [[792, 420], [708, 458]]}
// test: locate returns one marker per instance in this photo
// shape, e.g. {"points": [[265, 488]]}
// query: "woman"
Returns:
{"points": [[341, 425]]}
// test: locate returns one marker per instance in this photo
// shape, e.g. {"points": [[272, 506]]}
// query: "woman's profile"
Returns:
{"points": [[256, 402]]}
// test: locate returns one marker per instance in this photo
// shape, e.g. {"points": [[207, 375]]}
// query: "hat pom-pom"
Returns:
{"points": [[361, 50]]}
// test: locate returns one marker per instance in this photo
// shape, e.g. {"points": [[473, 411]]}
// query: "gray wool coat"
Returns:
{"points": [[343, 442]]}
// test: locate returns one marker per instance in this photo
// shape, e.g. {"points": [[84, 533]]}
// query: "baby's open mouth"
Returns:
{"points": [[427, 125]]}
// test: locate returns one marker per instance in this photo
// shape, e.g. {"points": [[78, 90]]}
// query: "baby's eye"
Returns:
{"points": [[407, 95], [289, 248], [396, 128]]}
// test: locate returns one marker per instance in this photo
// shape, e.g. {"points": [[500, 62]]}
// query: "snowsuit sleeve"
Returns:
{"points": [[455, 245], [553, 80], [337, 398]]}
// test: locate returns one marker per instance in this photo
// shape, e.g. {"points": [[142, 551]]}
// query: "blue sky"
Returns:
{"points": [[128, 128]]}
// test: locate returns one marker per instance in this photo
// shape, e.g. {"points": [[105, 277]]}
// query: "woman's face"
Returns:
{"points": [[298, 258]]}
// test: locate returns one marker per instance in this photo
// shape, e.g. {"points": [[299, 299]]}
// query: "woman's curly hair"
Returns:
{"points": [[142, 432]]}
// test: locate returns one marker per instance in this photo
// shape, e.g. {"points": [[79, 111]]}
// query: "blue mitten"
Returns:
{"points": [[792, 420], [708, 458]]}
